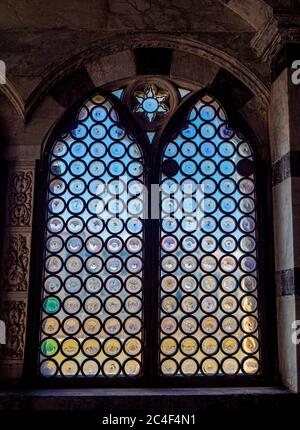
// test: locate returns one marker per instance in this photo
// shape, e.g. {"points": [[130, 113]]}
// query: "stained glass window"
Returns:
{"points": [[151, 102], [104, 289], [91, 322], [208, 270]]}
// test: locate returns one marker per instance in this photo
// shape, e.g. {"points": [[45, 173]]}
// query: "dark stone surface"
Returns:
{"points": [[231, 91], [284, 59], [288, 281], [70, 89], [288, 166], [149, 400], [155, 61]]}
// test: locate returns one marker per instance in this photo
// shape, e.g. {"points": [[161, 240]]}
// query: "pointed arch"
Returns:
{"points": [[209, 280], [91, 322]]}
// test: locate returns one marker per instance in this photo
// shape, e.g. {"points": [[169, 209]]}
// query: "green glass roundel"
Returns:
{"points": [[49, 347], [51, 305]]}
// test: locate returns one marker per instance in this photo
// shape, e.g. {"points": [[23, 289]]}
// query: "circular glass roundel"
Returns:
{"points": [[51, 305], [189, 243], [114, 265], [229, 324], [113, 285], [113, 305], [207, 149], [209, 345], [208, 224], [57, 186], [169, 243], [73, 284], [168, 367], [208, 283], [133, 284], [169, 325], [168, 346], [228, 244], [112, 326], [209, 366], [114, 245], [97, 149], [169, 304], [90, 368], [230, 366], [189, 263], [49, 347], [169, 264], [189, 284], [229, 283], [226, 149], [55, 225], [209, 325], [134, 225], [188, 149], [132, 325], [169, 283], [208, 244], [227, 224], [60, 149], [189, 304], [208, 186], [97, 187], [133, 304], [94, 244], [48, 368], [91, 326], [229, 304], [189, 325], [52, 284], [111, 368], [248, 283], [50, 325], [132, 367]]}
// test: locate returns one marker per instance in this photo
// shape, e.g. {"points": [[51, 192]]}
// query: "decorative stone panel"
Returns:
{"points": [[20, 190], [15, 272], [13, 313], [15, 266]]}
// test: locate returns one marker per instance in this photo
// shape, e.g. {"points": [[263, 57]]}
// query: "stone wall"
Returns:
{"points": [[57, 51]]}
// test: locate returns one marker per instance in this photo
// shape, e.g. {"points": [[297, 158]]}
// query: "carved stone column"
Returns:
{"points": [[285, 149], [15, 266]]}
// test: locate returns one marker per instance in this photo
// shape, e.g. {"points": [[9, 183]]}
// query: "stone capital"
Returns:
{"points": [[281, 28]]}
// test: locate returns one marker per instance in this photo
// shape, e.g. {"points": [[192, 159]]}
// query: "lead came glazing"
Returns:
{"points": [[92, 321], [208, 276]]}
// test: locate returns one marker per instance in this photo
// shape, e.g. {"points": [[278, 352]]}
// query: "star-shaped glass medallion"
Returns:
{"points": [[151, 102]]}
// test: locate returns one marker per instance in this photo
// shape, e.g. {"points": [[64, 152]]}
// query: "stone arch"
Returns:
{"points": [[115, 45], [255, 12]]}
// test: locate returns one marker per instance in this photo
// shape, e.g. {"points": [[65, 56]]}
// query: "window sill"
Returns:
{"points": [[143, 399]]}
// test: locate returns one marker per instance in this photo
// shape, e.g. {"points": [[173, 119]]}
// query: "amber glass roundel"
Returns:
{"points": [[92, 319], [208, 260]]}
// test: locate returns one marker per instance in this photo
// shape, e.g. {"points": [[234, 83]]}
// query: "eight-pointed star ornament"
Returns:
{"points": [[151, 102]]}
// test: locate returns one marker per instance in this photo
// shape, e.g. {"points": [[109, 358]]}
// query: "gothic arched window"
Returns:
{"points": [[146, 285], [93, 266], [208, 285]]}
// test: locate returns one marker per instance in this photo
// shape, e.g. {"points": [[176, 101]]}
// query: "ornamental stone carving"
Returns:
{"points": [[13, 313], [20, 198], [15, 266]]}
